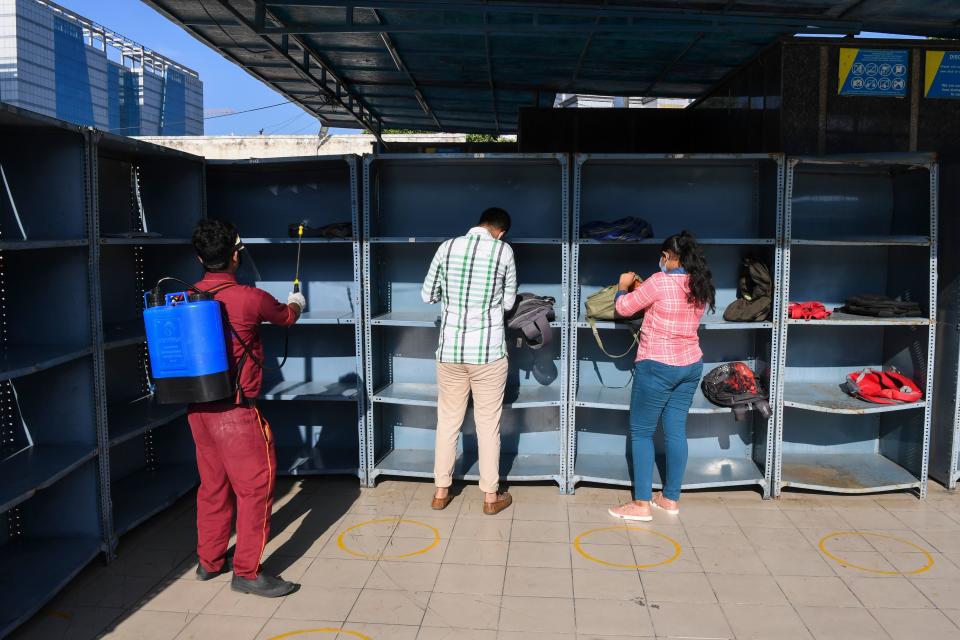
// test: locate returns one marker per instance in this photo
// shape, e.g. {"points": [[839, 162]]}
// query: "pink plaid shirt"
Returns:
{"points": [[670, 323]]}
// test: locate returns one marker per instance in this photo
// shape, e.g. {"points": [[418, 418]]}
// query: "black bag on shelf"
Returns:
{"points": [[532, 315], [628, 229], [880, 307], [735, 385], [335, 230], [754, 301]]}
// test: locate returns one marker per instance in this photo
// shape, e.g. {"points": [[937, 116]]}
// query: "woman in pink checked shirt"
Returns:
{"points": [[668, 367]]}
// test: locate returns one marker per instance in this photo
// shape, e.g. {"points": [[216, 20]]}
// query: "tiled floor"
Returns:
{"points": [[380, 564]]}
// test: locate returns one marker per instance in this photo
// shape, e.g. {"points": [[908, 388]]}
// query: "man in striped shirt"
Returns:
{"points": [[474, 278]]}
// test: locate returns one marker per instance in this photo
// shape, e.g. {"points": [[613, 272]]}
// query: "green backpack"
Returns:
{"points": [[602, 306]]}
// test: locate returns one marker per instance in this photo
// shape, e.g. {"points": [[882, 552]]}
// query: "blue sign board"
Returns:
{"points": [[873, 72], [942, 78]]}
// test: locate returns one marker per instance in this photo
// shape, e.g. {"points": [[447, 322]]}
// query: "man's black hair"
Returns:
{"points": [[215, 241], [495, 217]]}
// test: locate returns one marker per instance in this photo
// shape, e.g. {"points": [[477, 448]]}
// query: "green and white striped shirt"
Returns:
{"points": [[475, 279]]}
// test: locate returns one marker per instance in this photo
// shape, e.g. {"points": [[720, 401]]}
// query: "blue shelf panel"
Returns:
{"points": [[830, 398], [704, 241], [845, 473], [123, 334], [425, 394], [328, 316], [709, 322], [37, 468], [418, 463], [145, 241], [305, 461], [427, 318], [600, 397], [439, 239], [27, 245], [701, 471], [847, 319], [129, 420], [145, 493], [295, 241], [311, 390], [35, 570], [866, 241], [23, 360]]}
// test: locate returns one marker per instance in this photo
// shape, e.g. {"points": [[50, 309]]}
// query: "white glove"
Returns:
{"points": [[297, 298]]}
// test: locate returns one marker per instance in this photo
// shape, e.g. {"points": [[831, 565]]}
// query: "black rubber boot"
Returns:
{"points": [[264, 585], [203, 575]]}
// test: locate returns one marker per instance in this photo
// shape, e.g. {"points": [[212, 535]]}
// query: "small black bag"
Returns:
{"points": [[532, 315], [880, 307], [754, 301], [735, 385]]}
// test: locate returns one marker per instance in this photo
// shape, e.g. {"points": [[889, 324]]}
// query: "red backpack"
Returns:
{"points": [[808, 311], [882, 387]]}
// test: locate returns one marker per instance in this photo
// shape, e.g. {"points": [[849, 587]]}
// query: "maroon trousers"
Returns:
{"points": [[237, 462]]}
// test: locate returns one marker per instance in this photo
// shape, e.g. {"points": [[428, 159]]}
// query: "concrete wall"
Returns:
{"points": [[242, 147]]}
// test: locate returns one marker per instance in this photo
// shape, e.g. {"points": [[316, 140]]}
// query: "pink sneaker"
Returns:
{"points": [[669, 506], [631, 511]]}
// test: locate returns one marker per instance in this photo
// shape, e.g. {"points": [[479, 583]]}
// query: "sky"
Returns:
{"points": [[226, 87]]}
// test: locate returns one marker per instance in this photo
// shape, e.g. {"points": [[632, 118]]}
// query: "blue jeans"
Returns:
{"points": [[661, 390]]}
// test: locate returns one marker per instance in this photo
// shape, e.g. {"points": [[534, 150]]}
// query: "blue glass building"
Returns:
{"points": [[60, 64]]}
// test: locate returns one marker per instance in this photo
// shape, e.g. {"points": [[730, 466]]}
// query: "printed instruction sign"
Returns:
{"points": [[942, 77], [873, 72]]}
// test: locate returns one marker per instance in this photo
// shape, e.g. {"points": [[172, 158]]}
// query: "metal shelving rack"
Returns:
{"points": [[146, 202], [50, 453], [733, 204], [853, 225], [411, 204], [945, 418], [315, 404]]}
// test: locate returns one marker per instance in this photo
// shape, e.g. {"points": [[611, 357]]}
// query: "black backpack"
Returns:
{"points": [[735, 385], [754, 301], [880, 307], [532, 315]]}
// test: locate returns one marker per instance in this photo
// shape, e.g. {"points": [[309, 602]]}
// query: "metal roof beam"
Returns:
{"points": [[577, 9]]}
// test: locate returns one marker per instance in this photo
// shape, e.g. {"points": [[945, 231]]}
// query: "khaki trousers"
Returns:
{"points": [[455, 383]]}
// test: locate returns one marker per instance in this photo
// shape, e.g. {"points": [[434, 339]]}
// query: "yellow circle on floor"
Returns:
{"points": [[578, 545], [303, 632], [845, 563], [382, 556]]}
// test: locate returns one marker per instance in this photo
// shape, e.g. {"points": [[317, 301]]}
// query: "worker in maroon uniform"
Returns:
{"points": [[235, 450]]}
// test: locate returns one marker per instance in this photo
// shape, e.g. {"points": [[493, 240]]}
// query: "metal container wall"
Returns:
{"points": [[732, 203], [315, 402], [50, 447], [856, 225], [411, 204]]}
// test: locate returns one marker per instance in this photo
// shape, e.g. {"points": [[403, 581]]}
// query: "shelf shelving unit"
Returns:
{"points": [[147, 200], [733, 204], [315, 403], [412, 203], [50, 499], [826, 440]]}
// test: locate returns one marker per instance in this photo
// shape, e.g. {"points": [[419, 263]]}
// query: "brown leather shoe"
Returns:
{"points": [[439, 504], [504, 500]]}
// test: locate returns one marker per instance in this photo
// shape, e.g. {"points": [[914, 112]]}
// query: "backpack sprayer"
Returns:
{"points": [[187, 343]]}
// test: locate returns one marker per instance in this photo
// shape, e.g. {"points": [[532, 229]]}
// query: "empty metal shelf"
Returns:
{"points": [[845, 472], [830, 398], [43, 566], [306, 240], [867, 241], [600, 397], [123, 334], [439, 239], [707, 241], [711, 321], [701, 472], [328, 316], [37, 468], [849, 319], [426, 318], [24, 360], [311, 390], [145, 493], [129, 420], [26, 245], [145, 241], [425, 394], [418, 463], [305, 461]]}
